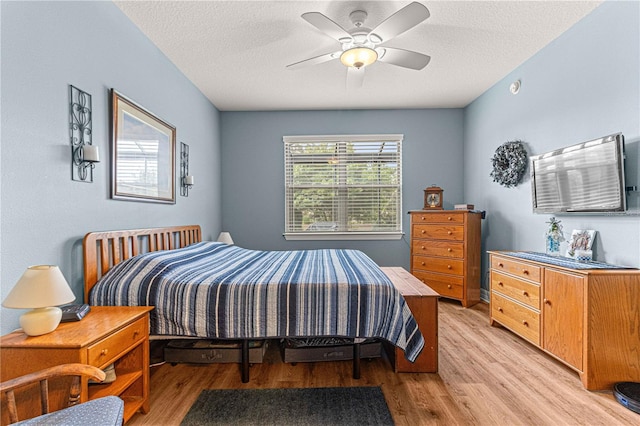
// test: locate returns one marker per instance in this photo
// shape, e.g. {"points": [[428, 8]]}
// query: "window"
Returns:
{"points": [[343, 187]]}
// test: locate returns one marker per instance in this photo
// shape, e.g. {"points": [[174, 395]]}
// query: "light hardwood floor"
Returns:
{"points": [[487, 376]]}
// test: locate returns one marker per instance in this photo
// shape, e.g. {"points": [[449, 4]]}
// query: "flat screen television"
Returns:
{"points": [[583, 178]]}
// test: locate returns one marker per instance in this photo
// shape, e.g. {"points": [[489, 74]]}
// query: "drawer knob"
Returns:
{"points": [[500, 265], [422, 218], [449, 232], [500, 309], [104, 352], [526, 324], [449, 286], [449, 218], [524, 293], [136, 334], [524, 271], [500, 283], [422, 247], [422, 263], [423, 231], [547, 301], [448, 266], [449, 250]]}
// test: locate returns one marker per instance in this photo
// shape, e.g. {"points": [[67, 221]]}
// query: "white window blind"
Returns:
{"points": [[345, 187]]}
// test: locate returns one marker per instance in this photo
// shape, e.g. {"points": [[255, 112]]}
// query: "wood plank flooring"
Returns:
{"points": [[487, 376]]}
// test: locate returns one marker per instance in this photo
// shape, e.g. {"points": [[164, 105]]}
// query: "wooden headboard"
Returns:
{"points": [[103, 250]]}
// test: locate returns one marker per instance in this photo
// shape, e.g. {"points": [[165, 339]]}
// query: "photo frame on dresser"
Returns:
{"points": [[143, 153], [581, 240]]}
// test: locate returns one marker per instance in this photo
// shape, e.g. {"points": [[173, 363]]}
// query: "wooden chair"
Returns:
{"points": [[76, 371]]}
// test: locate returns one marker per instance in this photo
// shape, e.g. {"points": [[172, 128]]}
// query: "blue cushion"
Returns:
{"points": [[107, 411]]}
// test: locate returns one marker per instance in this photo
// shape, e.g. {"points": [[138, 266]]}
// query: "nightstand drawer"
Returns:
{"points": [[439, 232], [437, 264], [438, 248], [520, 269], [520, 319], [445, 285], [431, 217], [107, 350], [522, 291]]}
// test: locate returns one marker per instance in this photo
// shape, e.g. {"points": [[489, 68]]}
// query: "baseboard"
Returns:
{"points": [[484, 295]]}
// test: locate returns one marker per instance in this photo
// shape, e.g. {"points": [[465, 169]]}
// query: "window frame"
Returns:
{"points": [[343, 235]]}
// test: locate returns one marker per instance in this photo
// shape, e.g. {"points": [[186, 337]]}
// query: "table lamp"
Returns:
{"points": [[42, 288], [225, 237]]}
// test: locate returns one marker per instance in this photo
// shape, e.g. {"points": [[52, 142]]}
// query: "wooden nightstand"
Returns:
{"points": [[106, 335]]}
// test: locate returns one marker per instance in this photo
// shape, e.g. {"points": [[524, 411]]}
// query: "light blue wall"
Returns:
{"points": [[584, 85], [253, 169], [45, 47]]}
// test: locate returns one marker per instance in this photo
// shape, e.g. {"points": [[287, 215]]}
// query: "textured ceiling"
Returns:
{"points": [[236, 52]]}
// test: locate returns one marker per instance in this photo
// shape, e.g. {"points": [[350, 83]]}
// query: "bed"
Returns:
{"points": [[213, 290]]}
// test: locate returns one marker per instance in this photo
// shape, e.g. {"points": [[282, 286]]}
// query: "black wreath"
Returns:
{"points": [[509, 163]]}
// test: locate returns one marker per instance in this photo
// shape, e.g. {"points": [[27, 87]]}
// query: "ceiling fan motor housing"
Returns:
{"points": [[357, 17]]}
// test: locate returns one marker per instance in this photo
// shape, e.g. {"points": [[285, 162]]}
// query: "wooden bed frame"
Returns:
{"points": [[103, 250]]}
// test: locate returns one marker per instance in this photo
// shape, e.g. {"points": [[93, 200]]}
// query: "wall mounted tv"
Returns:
{"points": [[583, 178]]}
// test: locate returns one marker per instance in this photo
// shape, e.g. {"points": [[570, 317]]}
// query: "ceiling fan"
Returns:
{"points": [[362, 46]]}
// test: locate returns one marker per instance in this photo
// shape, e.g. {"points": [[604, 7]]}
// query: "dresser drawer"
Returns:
{"points": [[445, 285], [516, 317], [438, 248], [106, 350], [438, 264], [519, 269], [522, 291], [439, 232], [431, 217]]}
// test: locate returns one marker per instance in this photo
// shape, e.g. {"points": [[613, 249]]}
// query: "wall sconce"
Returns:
{"points": [[41, 288], [83, 154], [186, 180]]}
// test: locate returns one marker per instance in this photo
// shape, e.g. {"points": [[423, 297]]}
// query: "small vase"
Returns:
{"points": [[553, 243]]}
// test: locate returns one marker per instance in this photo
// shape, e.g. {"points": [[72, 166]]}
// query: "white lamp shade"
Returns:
{"points": [[40, 286], [225, 237]]}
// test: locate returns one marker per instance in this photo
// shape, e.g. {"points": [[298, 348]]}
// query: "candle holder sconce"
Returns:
{"points": [[186, 180], [83, 154]]}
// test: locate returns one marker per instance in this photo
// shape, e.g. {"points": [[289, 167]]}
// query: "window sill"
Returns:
{"points": [[351, 236]]}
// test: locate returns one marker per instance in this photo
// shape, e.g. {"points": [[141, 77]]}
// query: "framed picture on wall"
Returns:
{"points": [[143, 153]]}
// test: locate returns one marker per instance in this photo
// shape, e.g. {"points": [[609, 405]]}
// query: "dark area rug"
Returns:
{"points": [[313, 406]]}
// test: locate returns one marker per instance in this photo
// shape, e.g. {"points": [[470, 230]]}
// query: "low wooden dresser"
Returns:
{"points": [[106, 335], [586, 318], [445, 252]]}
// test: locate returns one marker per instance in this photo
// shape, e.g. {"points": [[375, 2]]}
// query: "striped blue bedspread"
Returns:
{"points": [[215, 290]]}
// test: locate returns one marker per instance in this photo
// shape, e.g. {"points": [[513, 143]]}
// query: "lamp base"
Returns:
{"points": [[40, 321]]}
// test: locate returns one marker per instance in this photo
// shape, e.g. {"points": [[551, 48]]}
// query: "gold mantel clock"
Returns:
{"points": [[433, 198]]}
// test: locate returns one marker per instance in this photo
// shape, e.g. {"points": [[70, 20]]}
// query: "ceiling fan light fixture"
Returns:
{"points": [[358, 57], [375, 38]]}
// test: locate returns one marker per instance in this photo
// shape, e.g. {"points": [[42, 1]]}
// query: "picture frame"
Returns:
{"points": [[143, 150], [581, 239]]}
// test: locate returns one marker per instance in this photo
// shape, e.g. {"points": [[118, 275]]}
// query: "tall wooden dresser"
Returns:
{"points": [[445, 252]]}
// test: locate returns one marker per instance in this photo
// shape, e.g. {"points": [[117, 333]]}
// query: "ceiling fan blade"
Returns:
{"points": [[355, 77], [315, 60], [402, 58], [327, 26], [401, 21]]}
